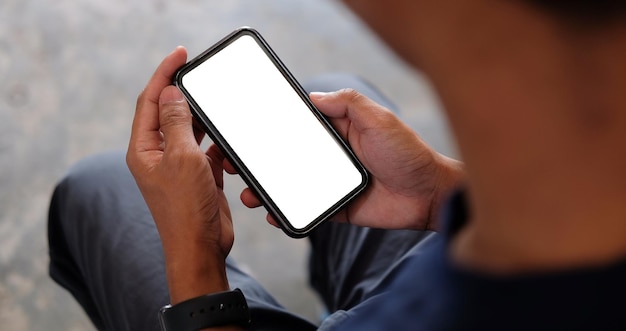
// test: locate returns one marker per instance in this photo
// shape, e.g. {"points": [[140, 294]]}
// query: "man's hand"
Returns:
{"points": [[409, 180], [182, 186]]}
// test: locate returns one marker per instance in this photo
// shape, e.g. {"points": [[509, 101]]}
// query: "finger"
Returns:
{"points": [[249, 199], [198, 132], [272, 221], [360, 111], [175, 120], [229, 167], [146, 122], [217, 159], [216, 151]]}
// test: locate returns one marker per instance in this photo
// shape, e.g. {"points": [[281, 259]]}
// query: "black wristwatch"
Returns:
{"points": [[217, 309]]}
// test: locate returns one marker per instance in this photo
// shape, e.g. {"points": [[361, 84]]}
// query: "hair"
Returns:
{"points": [[588, 11]]}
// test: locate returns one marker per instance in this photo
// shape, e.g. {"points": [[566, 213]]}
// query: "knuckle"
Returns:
{"points": [[140, 98], [133, 164], [377, 115], [175, 114], [354, 98], [130, 162], [351, 95]]}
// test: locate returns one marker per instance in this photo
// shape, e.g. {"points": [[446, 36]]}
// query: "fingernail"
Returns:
{"points": [[171, 94], [318, 95], [177, 48]]}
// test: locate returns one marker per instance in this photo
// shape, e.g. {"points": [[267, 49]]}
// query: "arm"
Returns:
{"points": [[182, 186], [409, 179]]}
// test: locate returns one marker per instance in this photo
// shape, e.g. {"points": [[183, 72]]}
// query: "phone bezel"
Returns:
{"points": [[231, 155]]}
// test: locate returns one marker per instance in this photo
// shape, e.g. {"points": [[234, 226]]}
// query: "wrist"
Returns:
{"points": [[194, 270], [227, 310], [451, 175]]}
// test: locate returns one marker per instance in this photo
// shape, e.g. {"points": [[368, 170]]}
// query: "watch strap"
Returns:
{"points": [[217, 309]]}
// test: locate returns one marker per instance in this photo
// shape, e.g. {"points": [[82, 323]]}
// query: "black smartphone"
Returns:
{"points": [[262, 119]]}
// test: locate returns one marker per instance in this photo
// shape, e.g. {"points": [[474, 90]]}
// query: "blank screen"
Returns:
{"points": [[286, 148]]}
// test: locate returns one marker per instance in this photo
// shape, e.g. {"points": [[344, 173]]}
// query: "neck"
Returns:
{"points": [[539, 113]]}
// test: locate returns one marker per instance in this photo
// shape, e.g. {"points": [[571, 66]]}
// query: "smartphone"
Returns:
{"points": [[263, 121]]}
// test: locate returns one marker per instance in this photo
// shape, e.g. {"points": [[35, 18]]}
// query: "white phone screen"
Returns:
{"points": [[294, 158]]}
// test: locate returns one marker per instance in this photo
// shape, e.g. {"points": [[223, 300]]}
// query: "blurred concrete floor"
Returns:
{"points": [[71, 70]]}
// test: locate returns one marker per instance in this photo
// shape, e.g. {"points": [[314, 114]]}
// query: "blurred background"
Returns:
{"points": [[71, 71]]}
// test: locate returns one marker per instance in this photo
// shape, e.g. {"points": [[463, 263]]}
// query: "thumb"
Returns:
{"points": [[174, 117], [361, 111]]}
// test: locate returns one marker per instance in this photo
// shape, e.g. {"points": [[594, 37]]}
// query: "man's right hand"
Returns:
{"points": [[409, 180]]}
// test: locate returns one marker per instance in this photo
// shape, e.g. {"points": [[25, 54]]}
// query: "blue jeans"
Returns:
{"points": [[106, 251]]}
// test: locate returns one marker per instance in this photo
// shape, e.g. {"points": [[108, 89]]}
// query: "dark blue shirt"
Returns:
{"points": [[432, 293]]}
